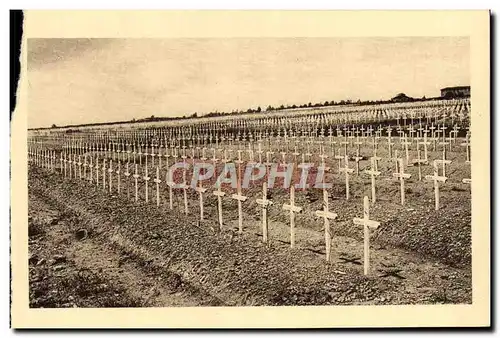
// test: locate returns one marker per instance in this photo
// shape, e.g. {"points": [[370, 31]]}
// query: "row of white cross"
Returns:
{"points": [[325, 213], [69, 169], [373, 172], [349, 132], [360, 133], [439, 112], [227, 153]]}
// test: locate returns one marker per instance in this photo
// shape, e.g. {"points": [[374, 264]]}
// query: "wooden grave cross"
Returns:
{"points": [[308, 151], [450, 140], [389, 142], [240, 198], [260, 152], [215, 160], [367, 224], [405, 143], [85, 165], [411, 131], [110, 171], [97, 171], [72, 166], [63, 163], [157, 180], [375, 157], [152, 156], [104, 173], [203, 154], [185, 186], [425, 143], [265, 203], [146, 156], [466, 144], [339, 158], [455, 133], [129, 151], [118, 176], [170, 185], [219, 193], [444, 162], [433, 131], [346, 170], [396, 160], [358, 156], [136, 177], [295, 154], [402, 176], [373, 172], [293, 209], [139, 154], [345, 143], [419, 161], [327, 216], [200, 190], [323, 158], [436, 178]]}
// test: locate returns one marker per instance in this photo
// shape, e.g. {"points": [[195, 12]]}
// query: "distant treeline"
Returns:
{"points": [[269, 108]]}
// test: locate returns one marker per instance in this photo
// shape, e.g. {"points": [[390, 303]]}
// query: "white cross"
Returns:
{"points": [[97, 171], [136, 176], [373, 173], [61, 161], [419, 161], [104, 174], [157, 180], [110, 171], [260, 152], [146, 179], [118, 171], [200, 190], [367, 224], [85, 165], [327, 216], [219, 193], [425, 143], [339, 158], [358, 156], [240, 198], [346, 171], [127, 174], [402, 176], [466, 144], [405, 144], [293, 209], [389, 140], [323, 158], [265, 203], [75, 163], [443, 162], [436, 178]]}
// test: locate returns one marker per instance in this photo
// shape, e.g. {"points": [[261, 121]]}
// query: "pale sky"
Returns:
{"points": [[73, 81]]}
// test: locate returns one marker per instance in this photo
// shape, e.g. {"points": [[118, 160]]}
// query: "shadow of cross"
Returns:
{"points": [[391, 273], [353, 260]]}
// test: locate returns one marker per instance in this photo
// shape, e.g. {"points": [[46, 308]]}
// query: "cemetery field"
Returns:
{"points": [[90, 248], [361, 207]]}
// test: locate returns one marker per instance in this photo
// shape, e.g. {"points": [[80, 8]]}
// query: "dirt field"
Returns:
{"points": [[92, 249]]}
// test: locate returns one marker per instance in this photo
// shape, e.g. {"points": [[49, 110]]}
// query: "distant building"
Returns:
{"points": [[402, 97], [452, 92]]}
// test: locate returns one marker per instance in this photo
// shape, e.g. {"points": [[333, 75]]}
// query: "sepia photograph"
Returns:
{"points": [[264, 172]]}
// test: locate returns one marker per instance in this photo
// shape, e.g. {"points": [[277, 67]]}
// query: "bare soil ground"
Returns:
{"points": [[92, 249]]}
